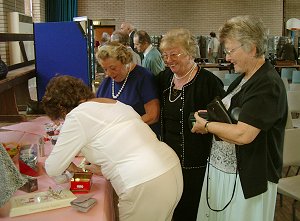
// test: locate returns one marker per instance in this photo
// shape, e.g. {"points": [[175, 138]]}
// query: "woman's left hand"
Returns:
{"points": [[199, 126]]}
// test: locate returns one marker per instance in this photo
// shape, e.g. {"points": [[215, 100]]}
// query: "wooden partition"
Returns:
{"points": [[14, 92]]}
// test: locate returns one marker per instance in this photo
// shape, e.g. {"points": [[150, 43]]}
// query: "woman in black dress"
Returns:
{"points": [[185, 88]]}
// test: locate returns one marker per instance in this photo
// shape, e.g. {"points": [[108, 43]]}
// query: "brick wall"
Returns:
{"points": [[158, 16], [292, 10], [102, 10], [7, 6], [199, 16], [38, 10]]}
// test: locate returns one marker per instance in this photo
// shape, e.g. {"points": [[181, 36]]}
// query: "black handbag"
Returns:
{"points": [[3, 69], [217, 112]]}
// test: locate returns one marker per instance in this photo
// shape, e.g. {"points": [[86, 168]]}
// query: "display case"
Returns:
{"points": [[298, 49]]}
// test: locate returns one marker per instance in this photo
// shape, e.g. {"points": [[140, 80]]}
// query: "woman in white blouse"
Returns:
{"points": [[144, 171]]}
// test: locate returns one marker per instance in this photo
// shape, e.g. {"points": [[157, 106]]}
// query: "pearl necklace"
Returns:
{"points": [[170, 88], [178, 78], [121, 89]]}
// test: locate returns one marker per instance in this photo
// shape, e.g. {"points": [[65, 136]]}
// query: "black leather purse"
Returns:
{"points": [[217, 112], [3, 69]]}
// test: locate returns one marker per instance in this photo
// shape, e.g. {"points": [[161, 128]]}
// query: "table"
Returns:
{"points": [[279, 66], [221, 66], [14, 91], [30, 132]]}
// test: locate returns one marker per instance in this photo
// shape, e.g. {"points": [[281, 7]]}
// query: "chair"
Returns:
{"points": [[294, 87], [220, 74], [231, 76], [212, 69], [287, 73], [293, 98], [286, 84], [296, 77], [289, 186]]}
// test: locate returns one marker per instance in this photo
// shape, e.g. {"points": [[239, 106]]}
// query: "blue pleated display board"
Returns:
{"points": [[60, 48]]}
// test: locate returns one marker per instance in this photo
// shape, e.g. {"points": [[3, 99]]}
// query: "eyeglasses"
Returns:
{"points": [[229, 52], [173, 56]]}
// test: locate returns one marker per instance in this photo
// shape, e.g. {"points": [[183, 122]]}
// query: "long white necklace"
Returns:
{"points": [[170, 88], [121, 89], [178, 78]]}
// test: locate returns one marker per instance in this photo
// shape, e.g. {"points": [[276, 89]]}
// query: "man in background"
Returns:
{"points": [[213, 48], [128, 29], [152, 57], [123, 38], [287, 52]]}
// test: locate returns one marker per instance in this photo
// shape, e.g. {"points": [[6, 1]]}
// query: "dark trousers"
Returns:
{"points": [[187, 207]]}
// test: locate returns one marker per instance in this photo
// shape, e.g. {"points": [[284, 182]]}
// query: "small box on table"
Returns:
{"points": [[81, 182]]}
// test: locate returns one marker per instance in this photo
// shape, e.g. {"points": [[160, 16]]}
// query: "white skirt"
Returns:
{"points": [[258, 208]]}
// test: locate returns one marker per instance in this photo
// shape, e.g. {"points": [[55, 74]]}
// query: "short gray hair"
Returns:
{"points": [[247, 30]]}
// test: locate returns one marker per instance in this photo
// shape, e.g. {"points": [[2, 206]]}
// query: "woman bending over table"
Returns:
{"points": [[144, 171]]}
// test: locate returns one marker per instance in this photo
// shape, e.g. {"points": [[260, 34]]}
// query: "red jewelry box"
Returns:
{"points": [[81, 182]]}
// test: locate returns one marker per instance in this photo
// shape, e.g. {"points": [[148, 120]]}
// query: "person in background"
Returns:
{"points": [[98, 68], [144, 172], [11, 180], [129, 83], [152, 58], [128, 29], [244, 168], [185, 88], [105, 38], [123, 38], [288, 52], [213, 48]]}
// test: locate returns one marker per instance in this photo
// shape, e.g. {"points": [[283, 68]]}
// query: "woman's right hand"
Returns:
{"points": [[73, 168], [95, 169]]}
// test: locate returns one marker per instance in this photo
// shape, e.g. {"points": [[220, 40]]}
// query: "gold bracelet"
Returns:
{"points": [[205, 126]]}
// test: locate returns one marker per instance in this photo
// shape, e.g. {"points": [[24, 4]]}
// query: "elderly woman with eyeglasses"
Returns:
{"points": [[129, 83], [185, 88], [244, 168]]}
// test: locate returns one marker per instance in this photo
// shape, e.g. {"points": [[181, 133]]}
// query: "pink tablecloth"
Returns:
{"points": [[30, 132], [36, 126]]}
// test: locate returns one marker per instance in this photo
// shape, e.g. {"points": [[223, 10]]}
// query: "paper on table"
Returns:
{"points": [[41, 201]]}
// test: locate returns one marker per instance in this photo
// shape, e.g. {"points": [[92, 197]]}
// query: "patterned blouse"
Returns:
{"points": [[11, 178], [223, 156]]}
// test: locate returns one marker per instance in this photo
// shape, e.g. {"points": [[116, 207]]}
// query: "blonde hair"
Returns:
{"points": [[114, 50], [182, 38]]}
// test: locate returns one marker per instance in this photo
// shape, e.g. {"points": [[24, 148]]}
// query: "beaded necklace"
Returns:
{"points": [[121, 89], [189, 72]]}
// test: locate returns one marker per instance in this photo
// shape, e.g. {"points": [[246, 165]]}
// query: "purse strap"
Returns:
{"points": [[233, 191]]}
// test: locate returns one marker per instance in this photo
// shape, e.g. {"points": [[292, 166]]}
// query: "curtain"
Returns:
{"points": [[60, 10]]}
